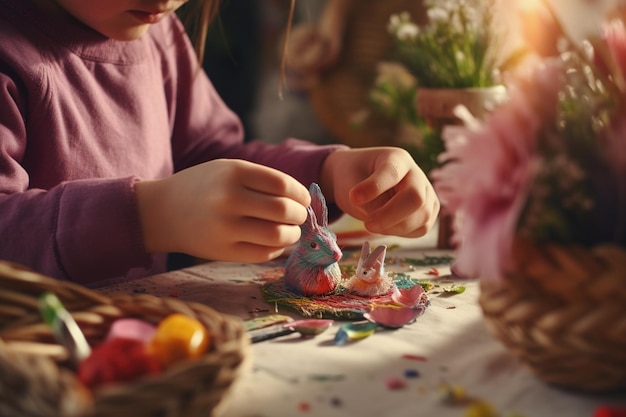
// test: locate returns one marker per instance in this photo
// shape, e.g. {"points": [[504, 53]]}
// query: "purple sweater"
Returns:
{"points": [[82, 118]]}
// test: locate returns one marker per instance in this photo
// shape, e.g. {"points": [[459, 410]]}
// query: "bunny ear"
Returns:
{"points": [[377, 256], [365, 250], [318, 204], [310, 224]]}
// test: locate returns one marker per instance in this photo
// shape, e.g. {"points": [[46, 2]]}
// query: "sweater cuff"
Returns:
{"points": [[99, 231]]}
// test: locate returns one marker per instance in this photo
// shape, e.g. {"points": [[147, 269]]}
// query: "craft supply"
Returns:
{"points": [[309, 327], [342, 304], [179, 337], [393, 318], [270, 332], [312, 268], [409, 296], [64, 327], [266, 321], [370, 278], [306, 328], [350, 332], [117, 360]]}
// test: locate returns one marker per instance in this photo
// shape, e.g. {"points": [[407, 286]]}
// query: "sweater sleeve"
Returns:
{"points": [[82, 230]]}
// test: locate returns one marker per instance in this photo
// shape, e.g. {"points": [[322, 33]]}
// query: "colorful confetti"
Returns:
{"points": [[336, 402], [412, 357], [405, 281], [327, 377], [606, 411], [480, 409], [429, 260], [453, 289], [350, 332], [455, 395], [394, 383]]}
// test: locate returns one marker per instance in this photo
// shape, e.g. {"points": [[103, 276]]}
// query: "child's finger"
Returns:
{"points": [[266, 233], [273, 182], [280, 210], [385, 177]]}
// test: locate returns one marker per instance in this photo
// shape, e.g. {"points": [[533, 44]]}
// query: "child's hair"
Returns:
{"points": [[197, 15]]}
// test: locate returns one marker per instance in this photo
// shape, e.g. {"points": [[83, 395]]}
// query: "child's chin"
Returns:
{"points": [[124, 33]]}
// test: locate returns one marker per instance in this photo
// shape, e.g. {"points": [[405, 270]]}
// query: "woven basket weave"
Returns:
{"points": [[34, 378], [563, 314]]}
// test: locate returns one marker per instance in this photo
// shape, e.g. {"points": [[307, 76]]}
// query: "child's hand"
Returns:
{"points": [[383, 187], [231, 210]]}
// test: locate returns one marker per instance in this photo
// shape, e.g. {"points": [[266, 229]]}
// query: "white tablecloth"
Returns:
{"points": [[448, 345]]}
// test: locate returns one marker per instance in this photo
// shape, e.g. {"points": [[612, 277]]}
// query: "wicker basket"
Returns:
{"points": [[563, 314], [34, 378]]}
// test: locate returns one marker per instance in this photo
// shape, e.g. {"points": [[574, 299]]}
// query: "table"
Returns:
{"points": [[392, 373]]}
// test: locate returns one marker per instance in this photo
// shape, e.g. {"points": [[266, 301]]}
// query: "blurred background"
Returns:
{"points": [[326, 99], [325, 102]]}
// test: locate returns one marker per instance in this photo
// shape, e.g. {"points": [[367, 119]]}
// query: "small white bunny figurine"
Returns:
{"points": [[370, 278]]}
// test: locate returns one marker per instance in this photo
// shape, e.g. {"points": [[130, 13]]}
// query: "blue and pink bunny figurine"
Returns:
{"points": [[312, 268]]}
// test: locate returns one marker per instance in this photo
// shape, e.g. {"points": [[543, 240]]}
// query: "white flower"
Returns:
{"points": [[407, 32], [397, 21], [394, 23], [395, 74], [438, 15], [382, 99]]}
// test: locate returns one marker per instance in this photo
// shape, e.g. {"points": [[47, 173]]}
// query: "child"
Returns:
{"points": [[115, 150]]}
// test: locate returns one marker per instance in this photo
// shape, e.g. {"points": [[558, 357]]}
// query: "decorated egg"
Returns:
{"points": [[117, 360], [131, 328], [179, 337]]}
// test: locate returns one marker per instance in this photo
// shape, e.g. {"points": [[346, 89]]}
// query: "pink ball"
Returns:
{"points": [[134, 329]]}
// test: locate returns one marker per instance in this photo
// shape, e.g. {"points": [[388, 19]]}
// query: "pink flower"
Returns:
{"points": [[615, 36], [489, 170], [609, 51]]}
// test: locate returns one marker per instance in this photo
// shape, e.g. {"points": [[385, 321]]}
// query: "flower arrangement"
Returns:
{"points": [[459, 47], [549, 165], [456, 49]]}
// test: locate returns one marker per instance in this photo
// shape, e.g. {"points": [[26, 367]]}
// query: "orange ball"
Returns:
{"points": [[179, 337]]}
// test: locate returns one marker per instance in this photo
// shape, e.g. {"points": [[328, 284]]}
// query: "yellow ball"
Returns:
{"points": [[179, 337]]}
